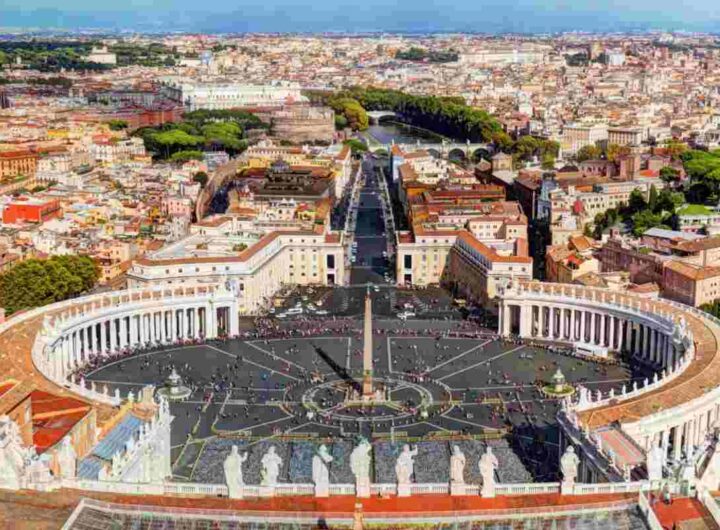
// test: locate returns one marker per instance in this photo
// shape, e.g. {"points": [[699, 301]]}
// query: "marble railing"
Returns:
{"points": [[285, 489], [601, 400]]}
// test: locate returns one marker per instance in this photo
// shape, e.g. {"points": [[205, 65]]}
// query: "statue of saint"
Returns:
{"points": [[569, 465], [360, 460], [320, 462], [67, 459], [233, 472], [405, 466], [271, 463], [488, 464], [457, 466], [654, 463]]}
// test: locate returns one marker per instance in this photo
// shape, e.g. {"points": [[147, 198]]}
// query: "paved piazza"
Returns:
{"points": [[256, 392]]}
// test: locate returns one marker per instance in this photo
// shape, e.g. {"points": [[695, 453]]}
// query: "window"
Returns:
{"points": [[408, 261]]}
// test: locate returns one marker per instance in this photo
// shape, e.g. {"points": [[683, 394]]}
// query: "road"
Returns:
{"points": [[371, 231]]}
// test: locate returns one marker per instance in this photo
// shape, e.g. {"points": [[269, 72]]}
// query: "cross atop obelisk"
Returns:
{"points": [[367, 384]]}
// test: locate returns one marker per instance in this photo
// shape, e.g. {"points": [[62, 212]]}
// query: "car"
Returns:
{"points": [[295, 311]]}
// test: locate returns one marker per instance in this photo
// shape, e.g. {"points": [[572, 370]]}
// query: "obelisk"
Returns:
{"points": [[367, 384]]}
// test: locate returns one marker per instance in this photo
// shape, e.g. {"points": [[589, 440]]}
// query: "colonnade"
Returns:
{"points": [[601, 326], [135, 324], [685, 434]]}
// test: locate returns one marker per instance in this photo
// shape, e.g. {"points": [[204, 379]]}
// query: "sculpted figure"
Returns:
{"points": [[233, 472], [569, 465], [457, 466], [320, 471], [271, 463], [360, 466], [405, 466], [488, 464]]}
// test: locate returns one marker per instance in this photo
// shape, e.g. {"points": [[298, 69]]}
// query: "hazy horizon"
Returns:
{"points": [[288, 16]]}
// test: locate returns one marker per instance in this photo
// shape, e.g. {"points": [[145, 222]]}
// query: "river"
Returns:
{"points": [[386, 132]]}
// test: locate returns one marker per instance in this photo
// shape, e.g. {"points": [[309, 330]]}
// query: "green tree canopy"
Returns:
{"points": [[35, 282], [588, 152]]}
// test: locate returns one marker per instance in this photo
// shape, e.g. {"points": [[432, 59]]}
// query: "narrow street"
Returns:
{"points": [[371, 230]]}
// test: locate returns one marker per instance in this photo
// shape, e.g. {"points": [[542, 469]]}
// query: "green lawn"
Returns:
{"points": [[695, 209]]}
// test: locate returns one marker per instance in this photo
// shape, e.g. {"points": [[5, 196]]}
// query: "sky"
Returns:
{"points": [[483, 16]]}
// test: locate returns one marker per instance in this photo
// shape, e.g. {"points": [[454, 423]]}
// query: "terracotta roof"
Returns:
{"points": [[697, 245], [488, 252], [692, 272]]}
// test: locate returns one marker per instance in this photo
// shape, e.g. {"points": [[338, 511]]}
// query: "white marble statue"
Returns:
{"points": [[405, 466], [67, 459], [271, 463], [234, 473], [320, 471], [569, 463], [360, 467], [13, 455], [488, 464], [457, 466], [654, 463]]}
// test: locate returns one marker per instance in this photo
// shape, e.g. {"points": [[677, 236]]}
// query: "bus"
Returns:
{"points": [[589, 350]]}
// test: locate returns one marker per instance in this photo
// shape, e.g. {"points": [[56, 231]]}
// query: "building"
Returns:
{"points": [[30, 211], [102, 55], [302, 124], [17, 163], [257, 265], [226, 95], [576, 136]]}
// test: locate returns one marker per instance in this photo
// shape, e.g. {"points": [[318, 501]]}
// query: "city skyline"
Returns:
{"points": [[288, 16]]}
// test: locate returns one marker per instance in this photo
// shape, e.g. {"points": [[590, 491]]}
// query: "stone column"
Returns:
{"points": [[561, 330], [188, 332], [196, 322], [173, 325], [654, 354], [628, 336], [123, 333], [88, 341], [133, 330], [611, 338], [113, 335], [103, 337], [234, 316], [163, 326], [677, 442], [582, 326], [592, 328]]}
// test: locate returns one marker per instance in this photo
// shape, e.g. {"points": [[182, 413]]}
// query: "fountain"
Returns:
{"points": [[174, 390]]}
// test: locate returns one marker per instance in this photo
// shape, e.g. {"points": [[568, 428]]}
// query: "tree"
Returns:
{"points": [[675, 149], [201, 177], [353, 112], [644, 220], [615, 151], [117, 125], [636, 202], [186, 155], [652, 197], [35, 282], [548, 161], [588, 152], [175, 140], [669, 175], [356, 146], [340, 122]]}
